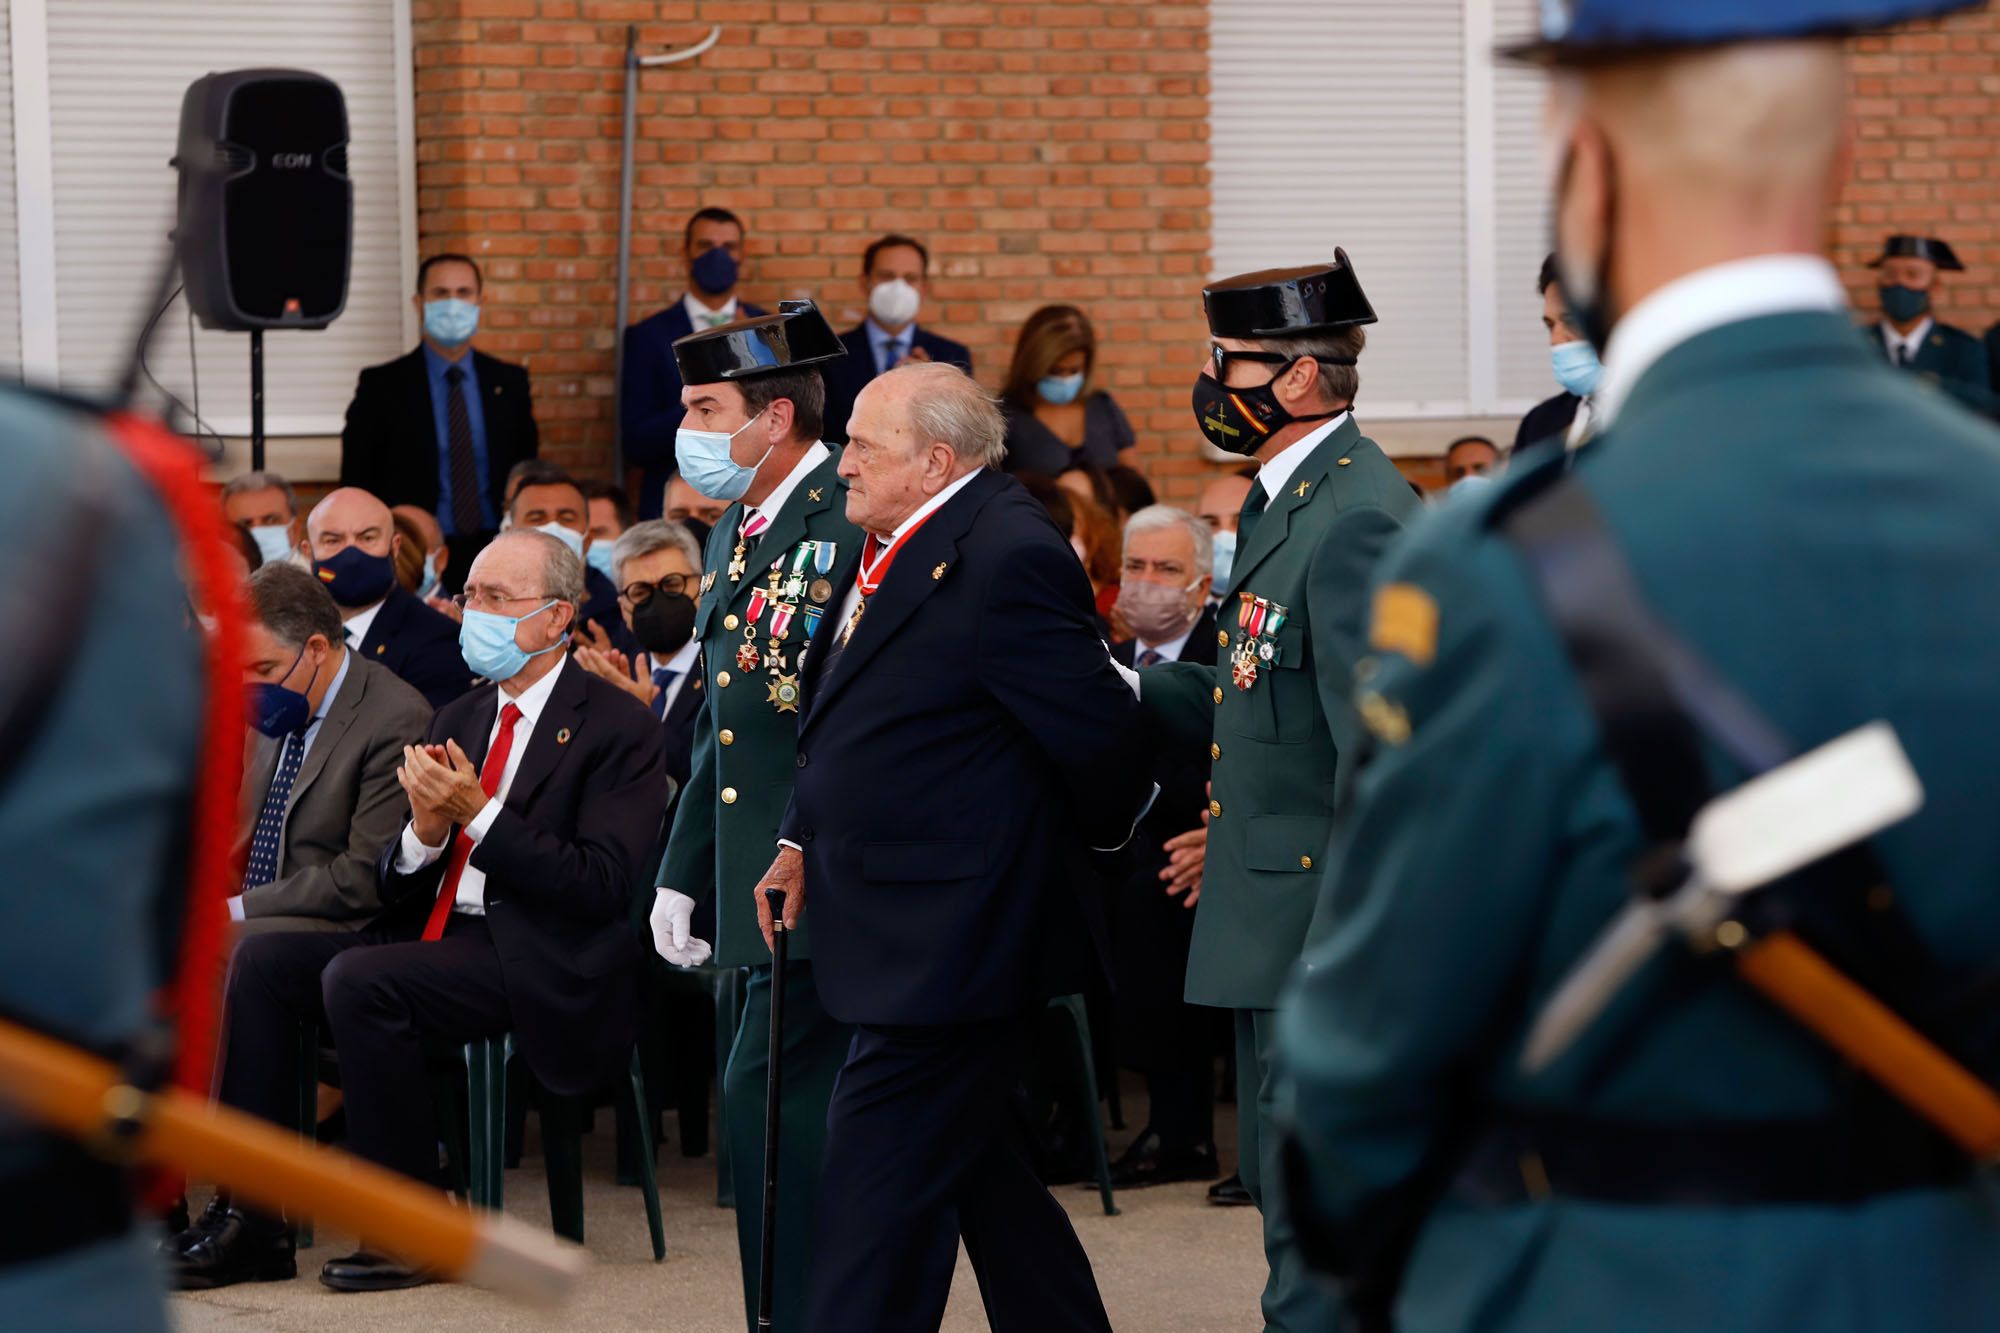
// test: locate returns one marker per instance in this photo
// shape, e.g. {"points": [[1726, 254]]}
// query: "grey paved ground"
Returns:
{"points": [[1168, 1262]]}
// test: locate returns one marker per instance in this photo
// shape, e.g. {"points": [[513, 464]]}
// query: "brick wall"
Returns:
{"points": [[1927, 158], [1045, 152]]}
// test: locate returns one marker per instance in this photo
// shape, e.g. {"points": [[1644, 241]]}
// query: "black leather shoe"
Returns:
{"points": [[365, 1270], [187, 1233], [1230, 1193], [1147, 1162], [233, 1247]]}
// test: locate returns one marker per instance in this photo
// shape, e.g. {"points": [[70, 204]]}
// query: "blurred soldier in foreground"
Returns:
{"points": [[1698, 1160], [97, 799]]}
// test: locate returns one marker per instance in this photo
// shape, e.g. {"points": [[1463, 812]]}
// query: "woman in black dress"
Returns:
{"points": [[1054, 419]]}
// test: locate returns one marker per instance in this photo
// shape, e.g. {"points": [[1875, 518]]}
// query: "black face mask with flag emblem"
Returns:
{"points": [[1239, 421]]}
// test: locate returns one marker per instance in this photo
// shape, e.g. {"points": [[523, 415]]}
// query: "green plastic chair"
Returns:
{"points": [[1086, 1069]]}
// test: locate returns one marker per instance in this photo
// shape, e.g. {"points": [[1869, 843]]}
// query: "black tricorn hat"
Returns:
{"points": [[1282, 302], [798, 335], [1918, 247]]}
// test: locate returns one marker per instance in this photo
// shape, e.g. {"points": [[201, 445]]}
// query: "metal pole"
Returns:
{"points": [[624, 252], [767, 1269], [256, 400]]}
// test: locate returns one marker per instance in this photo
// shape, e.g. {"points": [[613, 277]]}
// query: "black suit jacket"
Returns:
{"points": [[420, 645], [677, 728], [389, 445], [970, 734], [846, 379], [1547, 420], [562, 861], [649, 406]]}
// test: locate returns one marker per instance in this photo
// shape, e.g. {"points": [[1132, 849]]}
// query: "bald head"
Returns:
{"points": [[1676, 162], [424, 521], [348, 517]]}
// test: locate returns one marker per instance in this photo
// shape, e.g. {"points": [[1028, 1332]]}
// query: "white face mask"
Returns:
{"points": [[894, 303]]}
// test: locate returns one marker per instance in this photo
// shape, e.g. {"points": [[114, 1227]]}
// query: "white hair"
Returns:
{"points": [[947, 405], [1162, 518]]}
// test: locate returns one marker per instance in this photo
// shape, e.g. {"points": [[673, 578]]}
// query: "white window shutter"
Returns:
{"points": [[117, 72], [10, 255]]}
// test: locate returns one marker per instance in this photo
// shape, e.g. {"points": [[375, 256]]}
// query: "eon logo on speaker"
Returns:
{"points": [[291, 161]]}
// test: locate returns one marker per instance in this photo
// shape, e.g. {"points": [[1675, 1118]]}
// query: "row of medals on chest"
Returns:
{"points": [[796, 589], [1258, 620]]}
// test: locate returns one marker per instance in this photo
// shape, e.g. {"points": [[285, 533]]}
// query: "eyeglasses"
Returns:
{"points": [[479, 598], [638, 594], [1222, 356]]}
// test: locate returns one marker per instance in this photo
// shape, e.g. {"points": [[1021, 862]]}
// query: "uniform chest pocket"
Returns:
{"points": [[1281, 704]]}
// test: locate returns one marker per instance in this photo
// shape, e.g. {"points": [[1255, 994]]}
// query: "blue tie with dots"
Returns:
{"points": [[662, 677], [262, 867]]}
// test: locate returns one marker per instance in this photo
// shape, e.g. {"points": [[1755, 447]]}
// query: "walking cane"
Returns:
{"points": [[767, 1272]]}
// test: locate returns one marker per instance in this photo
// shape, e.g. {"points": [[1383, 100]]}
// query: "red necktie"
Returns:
{"points": [[461, 847]]}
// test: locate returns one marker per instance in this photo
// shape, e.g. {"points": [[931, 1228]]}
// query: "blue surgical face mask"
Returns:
{"points": [[1060, 389], [598, 557], [451, 323], [430, 581], [1224, 558], [274, 541], [278, 710], [713, 271], [1577, 367], [706, 464], [486, 642], [569, 537]]}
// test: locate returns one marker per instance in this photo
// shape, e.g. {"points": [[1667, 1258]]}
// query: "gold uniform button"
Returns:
{"points": [[727, 737], [1214, 809], [1218, 694], [1305, 863], [1214, 750], [722, 681], [729, 796], [730, 622], [1222, 638]]}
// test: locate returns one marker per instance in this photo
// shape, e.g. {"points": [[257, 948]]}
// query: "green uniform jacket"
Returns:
{"points": [[1953, 360], [726, 826], [1277, 746], [1822, 531]]}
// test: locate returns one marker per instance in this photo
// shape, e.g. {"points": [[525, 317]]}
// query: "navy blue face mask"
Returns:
{"points": [[278, 710], [356, 578], [714, 271]]}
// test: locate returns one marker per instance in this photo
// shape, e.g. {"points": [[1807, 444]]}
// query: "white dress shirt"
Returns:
{"points": [[1277, 470], [699, 315], [414, 854], [1708, 299], [774, 503], [356, 626], [683, 662], [853, 598], [1900, 345], [889, 349], [1170, 651]]}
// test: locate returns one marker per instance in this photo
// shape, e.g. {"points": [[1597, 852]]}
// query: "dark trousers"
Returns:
{"points": [[381, 1002], [922, 1150], [1181, 1107]]}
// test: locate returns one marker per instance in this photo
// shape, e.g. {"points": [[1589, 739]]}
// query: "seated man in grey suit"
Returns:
{"points": [[320, 796]]}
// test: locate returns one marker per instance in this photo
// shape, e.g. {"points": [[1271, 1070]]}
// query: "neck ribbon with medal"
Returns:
{"points": [[796, 589], [1259, 619]]}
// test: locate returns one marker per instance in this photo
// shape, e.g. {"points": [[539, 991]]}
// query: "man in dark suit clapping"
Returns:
{"points": [[895, 278], [441, 426], [963, 730], [534, 806]]}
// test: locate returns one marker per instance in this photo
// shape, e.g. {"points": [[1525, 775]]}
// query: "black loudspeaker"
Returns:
{"points": [[266, 219]]}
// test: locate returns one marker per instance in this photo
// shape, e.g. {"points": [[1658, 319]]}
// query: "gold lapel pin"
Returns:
{"points": [[938, 573], [1345, 461], [814, 494], [562, 737], [1302, 489], [381, 648]]}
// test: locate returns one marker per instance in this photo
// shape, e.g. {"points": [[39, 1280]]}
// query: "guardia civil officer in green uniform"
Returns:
{"points": [[1279, 386], [1772, 535], [96, 779], [1910, 335], [754, 398]]}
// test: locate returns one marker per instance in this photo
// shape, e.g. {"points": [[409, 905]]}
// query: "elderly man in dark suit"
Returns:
{"points": [[895, 277], [534, 805], [353, 540], [964, 730], [321, 798], [649, 406], [441, 425]]}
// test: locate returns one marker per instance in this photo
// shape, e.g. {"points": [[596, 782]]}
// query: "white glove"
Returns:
{"points": [[672, 913]]}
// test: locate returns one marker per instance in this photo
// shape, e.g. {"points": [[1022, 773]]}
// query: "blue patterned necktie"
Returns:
{"points": [[662, 677], [262, 867], [1151, 657]]}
